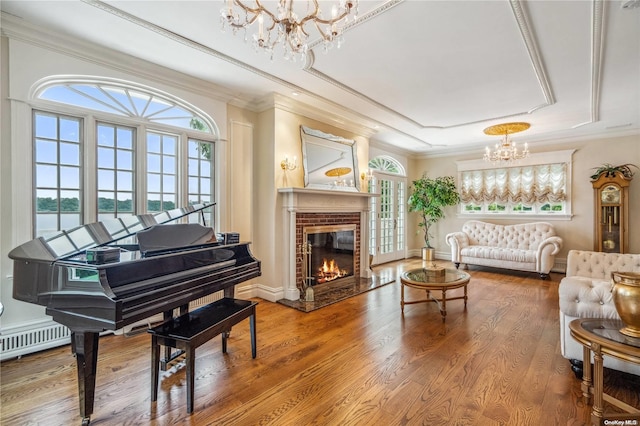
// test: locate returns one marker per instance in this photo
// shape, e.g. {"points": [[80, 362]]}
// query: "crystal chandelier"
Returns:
{"points": [[285, 27], [506, 151]]}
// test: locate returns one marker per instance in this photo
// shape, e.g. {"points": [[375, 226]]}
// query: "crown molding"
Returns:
{"points": [[16, 28], [530, 43], [325, 111], [362, 19], [543, 142], [391, 149], [342, 119], [547, 157], [597, 46], [256, 105], [522, 19]]}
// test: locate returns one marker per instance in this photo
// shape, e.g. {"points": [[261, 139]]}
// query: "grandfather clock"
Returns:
{"points": [[611, 195]]}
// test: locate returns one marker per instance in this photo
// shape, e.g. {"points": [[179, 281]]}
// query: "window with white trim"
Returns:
{"points": [[200, 165], [150, 152], [162, 182], [115, 163], [386, 164], [58, 190], [539, 185]]}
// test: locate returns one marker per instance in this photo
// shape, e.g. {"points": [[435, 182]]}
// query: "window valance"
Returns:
{"points": [[527, 185]]}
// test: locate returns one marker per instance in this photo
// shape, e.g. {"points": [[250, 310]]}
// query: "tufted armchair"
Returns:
{"points": [[585, 292], [524, 247]]}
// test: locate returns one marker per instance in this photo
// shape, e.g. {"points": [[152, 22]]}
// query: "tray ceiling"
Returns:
{"points": [[424, 77]]}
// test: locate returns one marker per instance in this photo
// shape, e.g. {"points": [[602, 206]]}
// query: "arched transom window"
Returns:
{"points": [[387, 165], [126, 99]]}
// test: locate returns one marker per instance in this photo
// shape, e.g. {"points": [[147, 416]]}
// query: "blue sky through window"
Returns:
{"points": [[124, 102]]}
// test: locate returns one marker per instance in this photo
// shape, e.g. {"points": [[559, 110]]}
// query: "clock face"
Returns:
{"points": [[610, 195]]}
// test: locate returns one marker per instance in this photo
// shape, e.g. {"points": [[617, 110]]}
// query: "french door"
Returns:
{"points": [[388, 222]]}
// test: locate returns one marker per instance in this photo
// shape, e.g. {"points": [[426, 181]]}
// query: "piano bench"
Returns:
{"points": [[193, 329]]}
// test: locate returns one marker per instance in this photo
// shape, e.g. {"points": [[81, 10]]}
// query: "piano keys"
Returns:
{"points": [[160, 267]]}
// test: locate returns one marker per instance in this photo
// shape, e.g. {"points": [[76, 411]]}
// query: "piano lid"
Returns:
{"points": [[72, 242]]}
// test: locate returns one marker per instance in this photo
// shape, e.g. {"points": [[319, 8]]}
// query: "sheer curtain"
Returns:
{"points": [[526, 185]]}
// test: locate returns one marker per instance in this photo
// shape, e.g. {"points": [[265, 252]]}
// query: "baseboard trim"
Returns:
{"points": [[260, 290]]}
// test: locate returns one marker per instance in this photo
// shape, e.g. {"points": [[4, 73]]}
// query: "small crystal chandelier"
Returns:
{"points": [[506, 151], [284, 27]]}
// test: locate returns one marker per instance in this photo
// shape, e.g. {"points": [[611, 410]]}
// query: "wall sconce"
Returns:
{"points": [[366, 176], [287, 165]]}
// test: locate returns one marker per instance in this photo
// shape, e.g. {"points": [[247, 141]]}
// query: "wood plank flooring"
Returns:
{"points": [[357, 362]]}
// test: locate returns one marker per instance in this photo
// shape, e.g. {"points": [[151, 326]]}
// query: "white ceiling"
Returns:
{"points": [[425, 77]]}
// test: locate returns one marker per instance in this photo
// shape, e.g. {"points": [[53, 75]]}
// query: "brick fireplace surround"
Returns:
{"points": [[312, 207], [325, 219]]}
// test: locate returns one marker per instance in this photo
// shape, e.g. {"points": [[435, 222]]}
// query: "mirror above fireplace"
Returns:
{"points": [[330, 162]]}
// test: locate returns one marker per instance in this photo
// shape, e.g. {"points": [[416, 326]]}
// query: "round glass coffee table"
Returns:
{"points": [[425, 279]]}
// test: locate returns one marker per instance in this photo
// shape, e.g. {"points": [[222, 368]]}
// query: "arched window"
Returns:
{"points": [[387, 165], [106, 148], [126, 99]]}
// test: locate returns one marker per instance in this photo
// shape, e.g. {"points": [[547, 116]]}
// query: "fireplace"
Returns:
{"points": [[328, 236], [308, 213], [329, 255]]}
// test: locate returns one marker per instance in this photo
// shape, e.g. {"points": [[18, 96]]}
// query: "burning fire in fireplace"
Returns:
{"points": [[330, 271]]}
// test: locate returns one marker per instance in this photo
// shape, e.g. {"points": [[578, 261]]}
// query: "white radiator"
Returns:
{"points": [[23, 340]]}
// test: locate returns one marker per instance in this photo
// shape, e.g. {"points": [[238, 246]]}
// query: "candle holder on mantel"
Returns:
{"points": [[307, 293]]}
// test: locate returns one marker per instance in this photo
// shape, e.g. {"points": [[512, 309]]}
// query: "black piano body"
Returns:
{"points": [[179, 263]]}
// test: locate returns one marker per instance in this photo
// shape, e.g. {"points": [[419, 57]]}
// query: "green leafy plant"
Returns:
{"points": [[203, 148], [429, 197], [610, 171]]}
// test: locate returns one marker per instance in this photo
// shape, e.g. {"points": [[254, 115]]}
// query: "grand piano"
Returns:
{"points": [[110, 274]]}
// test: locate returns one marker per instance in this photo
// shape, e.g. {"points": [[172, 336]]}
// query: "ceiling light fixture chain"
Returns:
{"points": [[284, 27], [506, 151]]}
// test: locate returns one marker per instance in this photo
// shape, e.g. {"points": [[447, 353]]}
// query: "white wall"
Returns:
{"points": [[577, 233]]}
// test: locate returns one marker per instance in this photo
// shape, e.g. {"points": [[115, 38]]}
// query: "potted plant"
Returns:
{"points": [[429, 197], [611, 171]]}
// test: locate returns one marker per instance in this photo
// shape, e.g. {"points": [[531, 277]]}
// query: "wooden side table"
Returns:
{"points": [[601, 336]]}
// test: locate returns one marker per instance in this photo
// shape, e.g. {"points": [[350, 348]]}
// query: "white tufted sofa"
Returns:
{"points": [[524, 247], [585, 292]]}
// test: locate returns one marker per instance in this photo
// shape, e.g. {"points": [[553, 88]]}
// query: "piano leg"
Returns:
{"points": [[85, 348]]}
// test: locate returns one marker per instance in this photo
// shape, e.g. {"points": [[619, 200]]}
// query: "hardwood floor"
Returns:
{"points": [[356, 362]]}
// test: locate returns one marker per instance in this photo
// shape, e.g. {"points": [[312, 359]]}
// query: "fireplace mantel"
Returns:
{"points": [[304, 199], [304, 202], [325, 192]]}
